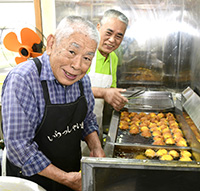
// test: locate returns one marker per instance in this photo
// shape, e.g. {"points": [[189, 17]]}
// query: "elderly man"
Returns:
{"points": [[103, 72], [47, 108]]}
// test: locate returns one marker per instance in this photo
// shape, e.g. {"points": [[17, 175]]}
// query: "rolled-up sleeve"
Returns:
{"points": [[20, 118]]}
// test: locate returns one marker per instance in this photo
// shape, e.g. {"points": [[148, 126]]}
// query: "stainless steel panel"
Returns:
{"points": [[162, 36]]}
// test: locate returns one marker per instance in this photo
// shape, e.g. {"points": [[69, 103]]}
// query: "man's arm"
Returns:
{"points": [[94, 145], [112, 96], [71, 179]]}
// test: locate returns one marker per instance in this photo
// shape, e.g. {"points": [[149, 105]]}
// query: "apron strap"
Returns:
{"points": [[81, 88], [44, 83]]}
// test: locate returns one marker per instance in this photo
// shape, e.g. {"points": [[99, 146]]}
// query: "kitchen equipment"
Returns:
{"points": [[122, 169]]}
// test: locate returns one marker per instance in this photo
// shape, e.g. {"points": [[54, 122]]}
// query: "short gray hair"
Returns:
{"points": [[112, 13], [71, 24]]}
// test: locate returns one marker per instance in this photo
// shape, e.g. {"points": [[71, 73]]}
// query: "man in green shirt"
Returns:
{"points": [[103, 71]]}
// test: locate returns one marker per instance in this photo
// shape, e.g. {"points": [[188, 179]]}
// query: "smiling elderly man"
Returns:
{"points": [[47, 108]]}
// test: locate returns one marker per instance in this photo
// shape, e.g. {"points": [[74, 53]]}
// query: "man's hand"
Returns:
{"points": [[94, 145], [112, 96]]}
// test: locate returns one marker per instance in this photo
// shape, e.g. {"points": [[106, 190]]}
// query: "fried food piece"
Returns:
{"points": [[167, 135], [152, 115], [124, 113], [166, 130], [123, 125], [170, 141], [143, 118], [177, 130], [134, 131], [174, 154], [181, 143], [185, 158], [159, 142], [156, 133], [161, 152], [186, 153], [144, 128], [135, 121], [146, 134], [151, 125], [132, 114], [140, 156], [163, 127], [177, 136], [150, 153], [158, 137], [170, 116], [154, 120], [142, 114], [160, 115], [125, 119], [166, 157], [133, 126]]}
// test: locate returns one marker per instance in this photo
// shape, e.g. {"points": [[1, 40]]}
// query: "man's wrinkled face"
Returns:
{"points": [[71, 58], [111, 35]]}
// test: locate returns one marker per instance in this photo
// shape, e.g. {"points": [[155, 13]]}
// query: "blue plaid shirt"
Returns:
{"points": [[23, 107]]}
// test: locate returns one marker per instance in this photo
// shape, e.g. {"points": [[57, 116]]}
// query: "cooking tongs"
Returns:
{"points": [[131, 94]]}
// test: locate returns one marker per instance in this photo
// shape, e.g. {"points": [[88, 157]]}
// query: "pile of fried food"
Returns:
{"points": [[163, 154], [162, 128]]}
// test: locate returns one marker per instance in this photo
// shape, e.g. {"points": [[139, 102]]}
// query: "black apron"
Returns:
{"points": [[58, 137]]}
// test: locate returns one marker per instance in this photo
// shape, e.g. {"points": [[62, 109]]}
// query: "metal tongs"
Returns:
{"points": [[134, 95], [131, 94]]}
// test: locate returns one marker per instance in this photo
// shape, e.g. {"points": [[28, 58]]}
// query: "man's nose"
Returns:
{"points": [[77, 62], [112, 38]]}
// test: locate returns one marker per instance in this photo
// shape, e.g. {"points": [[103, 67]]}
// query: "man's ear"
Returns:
{"points": [[98, 26], [50, 42]]}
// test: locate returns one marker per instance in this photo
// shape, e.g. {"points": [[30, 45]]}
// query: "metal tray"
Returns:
{"points": [[152, 100]]}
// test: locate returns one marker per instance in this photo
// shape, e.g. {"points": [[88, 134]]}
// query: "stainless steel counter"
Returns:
{"points": [[128, 173]]}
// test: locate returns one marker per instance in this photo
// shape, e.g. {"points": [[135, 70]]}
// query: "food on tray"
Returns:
{"points": [[123, 125], [185, 158], [152, 115], [150, 153], [166, 130], [170, 116], [124, 113], [177, 136], [174, 154], [181, 143], [140, 156], [158, 137], [144, 128], [170, 141], [167, 135], [132, 114], [166, 157], [146, 134], [135, 130], [158, 142], [186, 153], [151, 125], [156, 133], [161, 152], [160, 115], [162, 127], [177, 130]]}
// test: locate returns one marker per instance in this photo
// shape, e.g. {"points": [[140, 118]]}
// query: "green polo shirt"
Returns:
{"points": [[103, 67]]}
